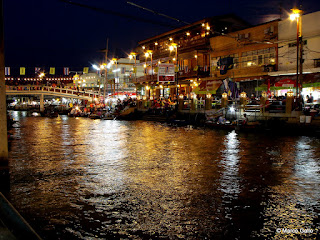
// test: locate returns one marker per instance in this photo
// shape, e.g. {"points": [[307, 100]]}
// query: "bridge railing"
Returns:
{"points": [[69, 91]]}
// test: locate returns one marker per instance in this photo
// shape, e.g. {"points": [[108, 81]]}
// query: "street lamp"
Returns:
{"points": [[149, 54], [174, 47], [133, 55], [296, 15], [98, 68], [115, 61]]}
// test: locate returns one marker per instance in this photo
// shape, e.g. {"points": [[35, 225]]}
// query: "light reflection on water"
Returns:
{"points": [[77, 178]]}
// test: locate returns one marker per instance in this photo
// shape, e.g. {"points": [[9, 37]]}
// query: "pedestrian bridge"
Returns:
{"points": [[51, 91]]}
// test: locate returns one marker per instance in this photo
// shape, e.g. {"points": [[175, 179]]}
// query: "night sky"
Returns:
{"points": [[54, 33]]}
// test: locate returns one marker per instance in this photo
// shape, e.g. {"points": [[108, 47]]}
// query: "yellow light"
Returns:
{"points": [[101, 66], [174, 59], [156, 43], [295, 14], [208, 95], [171, 48], [161, 86], [151, 97], [146, 54], [188, 34], [264, 94], [147, 87], [113, 61], [144, 65], [181, 96], [202, 24], [243, 95], [290, 93], [170, 39], [143, 47], [224, 95], [144, 98], [196, 56], [208, 27], [159, 62], [130, 57]]}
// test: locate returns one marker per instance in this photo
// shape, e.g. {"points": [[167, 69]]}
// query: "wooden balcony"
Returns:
{"points": [[200, 42], [185, 45], [182, 74], [193, 74], [147, 78]]}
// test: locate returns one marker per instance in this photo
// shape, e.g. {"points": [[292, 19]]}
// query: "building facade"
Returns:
{"points": [[287, 58], [245, 57], [188, 49]]}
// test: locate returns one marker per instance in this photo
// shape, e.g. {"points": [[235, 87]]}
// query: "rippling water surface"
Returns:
{"points": [[78, 178]]}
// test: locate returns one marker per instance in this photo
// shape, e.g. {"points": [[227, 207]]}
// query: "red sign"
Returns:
{"points": [[286, 83], [166, 79], [166, 72]]}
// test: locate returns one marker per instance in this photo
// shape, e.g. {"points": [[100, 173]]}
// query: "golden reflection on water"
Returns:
{"points": [[80, 178]]}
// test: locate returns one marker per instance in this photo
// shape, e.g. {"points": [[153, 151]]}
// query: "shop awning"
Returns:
{"points": [[286, 83], [278, 83], [124, 93], [208, 86]]}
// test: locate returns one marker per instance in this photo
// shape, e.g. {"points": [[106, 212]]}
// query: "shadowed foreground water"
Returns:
{"points": [[77, 178]]}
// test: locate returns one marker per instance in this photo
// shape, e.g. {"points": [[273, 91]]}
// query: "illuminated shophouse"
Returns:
{"points": [[186, 48], [244, 57]]}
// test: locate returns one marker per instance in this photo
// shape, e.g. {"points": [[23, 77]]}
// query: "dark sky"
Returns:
{"points": [[55, 33]]}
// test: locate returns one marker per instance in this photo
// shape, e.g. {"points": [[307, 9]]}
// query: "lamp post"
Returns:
{"points": [[133, 55], [296, 15], [149, 54], [98, 68], [115, 61], [174, 47]]}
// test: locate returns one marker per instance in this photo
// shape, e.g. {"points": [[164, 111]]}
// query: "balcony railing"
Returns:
{"points": [[181, 75], [163, 51], [201, 72]]}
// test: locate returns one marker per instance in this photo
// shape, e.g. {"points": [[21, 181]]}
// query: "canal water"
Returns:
{"points": [[78, 178]]}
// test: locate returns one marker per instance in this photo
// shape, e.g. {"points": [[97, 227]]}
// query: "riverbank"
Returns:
{"points": [[294, 123]]}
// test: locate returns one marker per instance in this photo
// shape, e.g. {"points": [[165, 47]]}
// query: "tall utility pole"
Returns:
{"points": [[296, 15], [3, 107]]}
